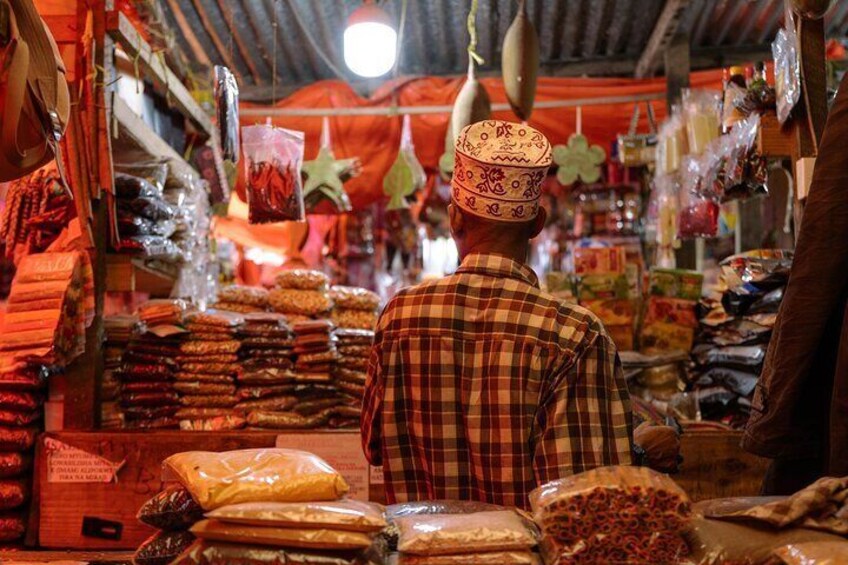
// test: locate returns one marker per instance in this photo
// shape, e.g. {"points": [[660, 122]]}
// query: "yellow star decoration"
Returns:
{"points": [[578, 160], [325, 176]]}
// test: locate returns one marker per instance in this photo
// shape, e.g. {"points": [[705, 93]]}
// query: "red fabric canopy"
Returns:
{"points": [[375, 139]]}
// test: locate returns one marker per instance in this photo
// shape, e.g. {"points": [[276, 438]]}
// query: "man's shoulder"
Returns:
{"points": [[574, 324]]}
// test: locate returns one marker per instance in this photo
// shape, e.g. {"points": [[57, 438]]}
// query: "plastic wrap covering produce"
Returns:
{"points": [[281, 537], [162, 547], [272, 164], [349, 515], [716, 542], [236, 307], [302, 279], [357, 319], [13, 464], [171, 509], [354, 298], [13, 493], [450, 534], [17, 439], [227, 113], [612, 513], [212, 553], [814, 553], [255, 475]]}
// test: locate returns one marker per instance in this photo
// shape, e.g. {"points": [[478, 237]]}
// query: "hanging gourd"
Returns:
{"points": [[578, 160], [520, 63], [323, 190], [406, 175], [446, 161], [472, 103]]}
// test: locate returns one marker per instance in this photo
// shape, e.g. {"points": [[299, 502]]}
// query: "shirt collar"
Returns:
{"points": [[498, 266]]}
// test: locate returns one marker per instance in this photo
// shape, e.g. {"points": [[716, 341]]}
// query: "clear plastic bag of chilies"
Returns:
{"points": [[226, 102], [787, 67], [698, 208], [273, 160]]}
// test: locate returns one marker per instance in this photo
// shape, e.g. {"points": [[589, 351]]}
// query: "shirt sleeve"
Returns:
{"points": [[371, 420], [584, 418]]}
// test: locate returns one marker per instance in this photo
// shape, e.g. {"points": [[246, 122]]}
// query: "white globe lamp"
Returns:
{"points": [[370, 41]]}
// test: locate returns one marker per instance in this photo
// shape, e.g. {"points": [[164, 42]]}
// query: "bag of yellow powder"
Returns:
{"points": [[280, 537], [255, 475], [351, 515]]}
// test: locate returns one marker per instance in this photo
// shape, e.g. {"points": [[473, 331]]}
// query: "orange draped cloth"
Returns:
{"points": [[375, 139]]}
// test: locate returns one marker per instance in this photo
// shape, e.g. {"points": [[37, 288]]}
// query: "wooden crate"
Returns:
{"points": [[64, 507], [715, 466]]}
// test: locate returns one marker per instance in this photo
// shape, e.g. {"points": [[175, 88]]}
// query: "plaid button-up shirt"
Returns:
{"points": [[482, 387]]}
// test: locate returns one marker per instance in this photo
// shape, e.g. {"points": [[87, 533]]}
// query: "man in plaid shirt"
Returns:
{"points": [[481, 386]]}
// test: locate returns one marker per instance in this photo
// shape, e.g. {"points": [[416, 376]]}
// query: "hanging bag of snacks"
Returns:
{"points": [[273, 160], [637, 149]]}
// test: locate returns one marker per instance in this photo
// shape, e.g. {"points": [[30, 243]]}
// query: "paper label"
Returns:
{"points": [[377, 477], [343, 451], [67, 464]]}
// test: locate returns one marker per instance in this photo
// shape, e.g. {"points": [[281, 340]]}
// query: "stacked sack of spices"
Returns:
{"points": [[301, 295], [266, 380], [208, 363], [149, 364], [460, 533], [172, 512], [354, 307], [612, 515], [273, 506], [242, 299], [734, 331], [145, 221], [350, 374], [119, 329]]}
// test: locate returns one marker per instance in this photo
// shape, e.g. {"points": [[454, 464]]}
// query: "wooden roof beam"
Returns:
{"points": [[660, 38]]}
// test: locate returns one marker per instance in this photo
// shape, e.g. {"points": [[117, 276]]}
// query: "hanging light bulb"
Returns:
{"points": [[370, 41]]}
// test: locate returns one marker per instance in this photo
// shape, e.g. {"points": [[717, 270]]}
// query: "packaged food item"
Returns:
{"points": [[787, 68], [216, 424], [171, 509], [312, 407], [219, 358], [252, 392], [281, 537], [273, 161], [360, 319], [701, 113], [201, 413], [487, 558], [17, 439], [210, 347], [270, 376], [215, 318], [14, 464], [814, 553], [204, 389], [355, 350], [149, 412], [445, 534], [350, 515], [274, 404], [12, 526], [217, 553], [213, 401], [255, 475], [286, 420], [162, 547], [227, 111], [208, 378], [235, 307], [238, 294], [612, 513], [13, 493], [148, 399], [354, 298], [152, 423], [305, 302], [302, 279], [152, 172], [210, 368]]}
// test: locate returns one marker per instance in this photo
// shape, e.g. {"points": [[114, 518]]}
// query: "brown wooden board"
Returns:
{"points": [[66, 557], [715, 466], [62, 506]]}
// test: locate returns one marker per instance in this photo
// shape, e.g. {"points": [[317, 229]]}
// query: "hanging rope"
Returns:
{"points": [[274, 55], [472, 34]]}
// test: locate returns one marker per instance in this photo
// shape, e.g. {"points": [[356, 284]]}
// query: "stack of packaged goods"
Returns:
{"points": [[119, 330], [734, 333], [172, 512], [149, 365], [670, 319], [242, 299], [208, 364], [350, 373], [272, 506], [301, 295], [490, 536], [612, 515], [266, 377], [145, 220], [354, 307], [604, 289]]}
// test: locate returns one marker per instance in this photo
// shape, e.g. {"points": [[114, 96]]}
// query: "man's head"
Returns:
{"points": [[496, 187]]}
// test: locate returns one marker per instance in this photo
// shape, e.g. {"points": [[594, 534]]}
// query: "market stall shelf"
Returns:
{"points": [[128, 274]]}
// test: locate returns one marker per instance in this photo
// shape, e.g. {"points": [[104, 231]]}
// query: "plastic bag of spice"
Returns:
{"points": [[350, 515], [13, 493], [162, 548], [273, 160], [17, 439], [255, 475], [12, 526], [281, 537], [14, 464], [171, 509], [216, 553], [448, 534]]}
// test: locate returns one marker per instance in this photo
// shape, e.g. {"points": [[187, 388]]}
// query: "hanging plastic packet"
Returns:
{"points": [[273, 160], [672, 143], [701, 114], [787, 67], [698, 215], [746, 170], [226, 104]]}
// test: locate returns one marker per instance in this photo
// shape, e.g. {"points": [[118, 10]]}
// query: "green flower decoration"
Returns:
{"points": [[578, 160], [325, 177]]}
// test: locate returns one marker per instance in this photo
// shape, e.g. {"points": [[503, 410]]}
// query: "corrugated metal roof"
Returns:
{"points": [[435, 37]]}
